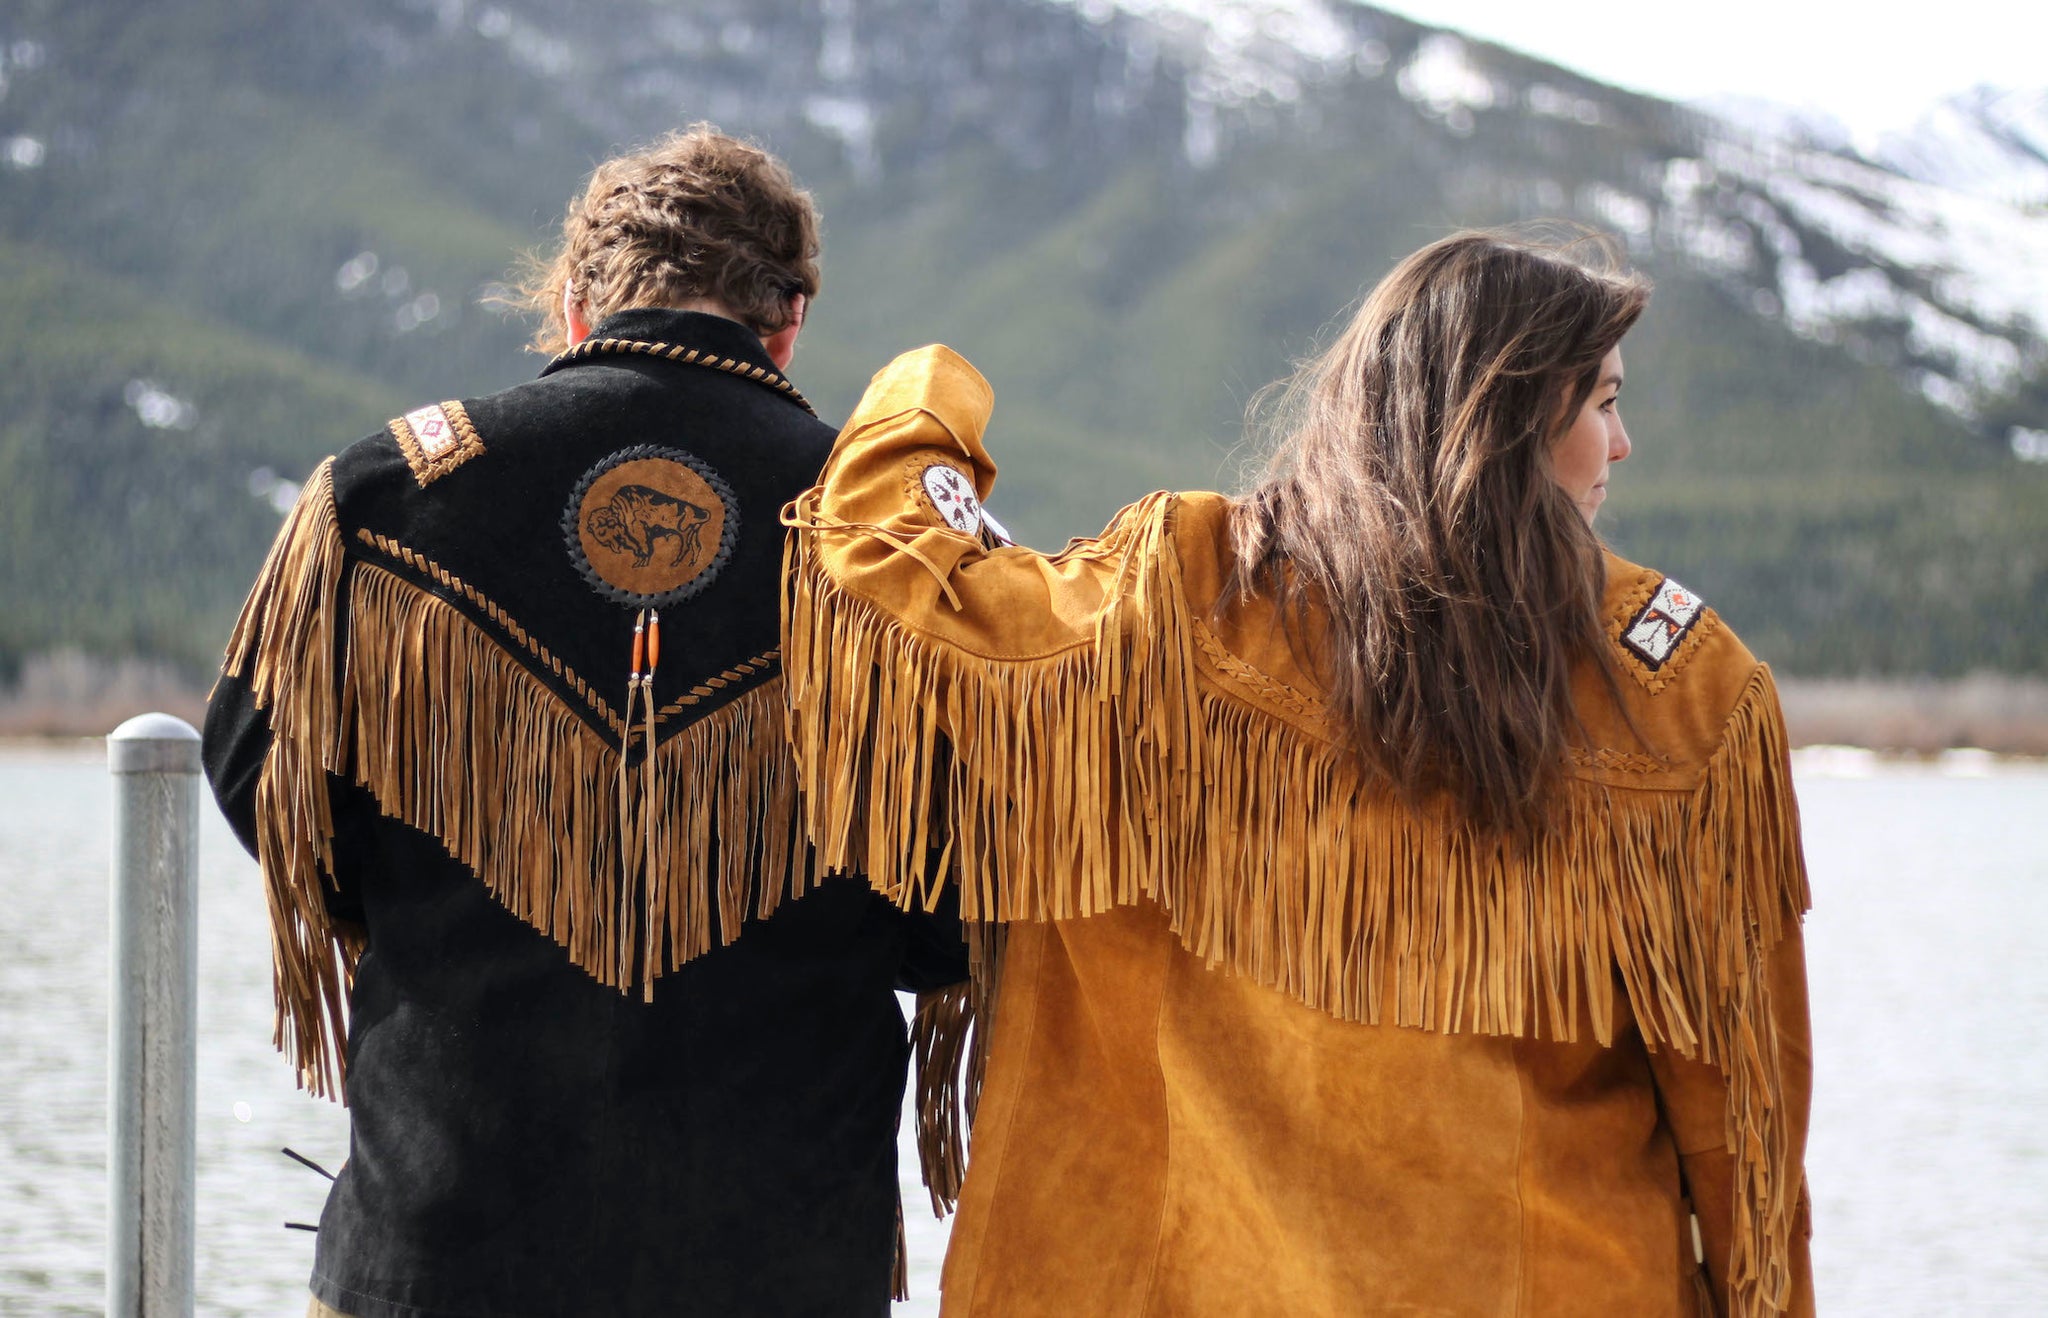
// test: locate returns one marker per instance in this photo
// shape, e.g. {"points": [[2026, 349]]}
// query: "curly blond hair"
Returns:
{"points": [[697, 215]]}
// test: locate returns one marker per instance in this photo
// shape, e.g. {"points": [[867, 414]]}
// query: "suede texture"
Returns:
{"points": [[1161, 1137], [526, 1140], [1160, 1132]]}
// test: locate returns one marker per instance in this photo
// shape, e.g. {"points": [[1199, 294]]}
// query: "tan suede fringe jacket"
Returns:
{"points": [[1266, 1041]]}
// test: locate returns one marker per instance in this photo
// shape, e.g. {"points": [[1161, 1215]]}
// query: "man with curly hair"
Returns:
{"points": [[503, 722]]}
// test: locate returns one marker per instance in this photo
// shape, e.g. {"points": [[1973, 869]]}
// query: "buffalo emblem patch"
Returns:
{"points": [[952, 494], [1654, 633], [649, 527]]}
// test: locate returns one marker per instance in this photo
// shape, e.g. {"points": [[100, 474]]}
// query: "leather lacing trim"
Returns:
{"points": [[492, 610], [673, 352]]}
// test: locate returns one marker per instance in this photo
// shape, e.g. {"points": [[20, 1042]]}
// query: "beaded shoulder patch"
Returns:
{"points": [[1661, 625], [436, 440], [952, 496]]}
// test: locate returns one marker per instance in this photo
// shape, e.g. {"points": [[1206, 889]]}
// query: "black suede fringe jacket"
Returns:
{"points": [[502, 721]]}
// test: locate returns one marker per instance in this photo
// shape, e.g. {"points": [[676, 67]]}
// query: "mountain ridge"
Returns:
{"points": [[1129, 226]]}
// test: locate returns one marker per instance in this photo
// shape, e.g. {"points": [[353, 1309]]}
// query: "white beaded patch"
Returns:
{"points": [[1653, 637], [436, 439], [435, 432], [1676, 602], [952, 494], [1654, 633]]}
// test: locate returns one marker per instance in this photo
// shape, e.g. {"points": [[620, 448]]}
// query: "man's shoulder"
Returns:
{"points": [[433, 440], [456, 451], [417, 447]]}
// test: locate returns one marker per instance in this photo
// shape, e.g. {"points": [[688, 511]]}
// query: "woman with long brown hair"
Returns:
{"points": [[1400, 893]]}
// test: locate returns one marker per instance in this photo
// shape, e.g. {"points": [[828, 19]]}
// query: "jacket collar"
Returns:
{"points": [[707, 333], [692, 337]]}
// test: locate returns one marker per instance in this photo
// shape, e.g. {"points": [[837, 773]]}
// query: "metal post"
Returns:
{"points": [[151, 1084]]}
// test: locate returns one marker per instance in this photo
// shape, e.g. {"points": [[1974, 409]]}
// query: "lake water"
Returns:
{"points": [[1929, 1156]]}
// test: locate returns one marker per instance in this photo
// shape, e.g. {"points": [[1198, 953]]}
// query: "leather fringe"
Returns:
{"points": [[1106, 775], [949, 1040], [284, 644], [899, 1271], [455, 737], [938, 1039]]}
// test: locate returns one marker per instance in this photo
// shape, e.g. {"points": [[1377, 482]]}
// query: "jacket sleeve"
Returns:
{"points": [[270, 728], [947, 704], [934, 947], [922, 663], [233, 746], [1695, 1101], [889, 525]]}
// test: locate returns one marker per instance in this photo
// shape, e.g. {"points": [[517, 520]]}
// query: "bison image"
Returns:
{"points": [[639, 515]]}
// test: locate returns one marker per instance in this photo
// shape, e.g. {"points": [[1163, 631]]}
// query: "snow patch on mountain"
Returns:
{"points": [[1943, 229], [1964, 277], [1556, 103], [1627, 214], [1442, 80], [1986, 142], [852, 121], [1244, 51], [1773, 121]]}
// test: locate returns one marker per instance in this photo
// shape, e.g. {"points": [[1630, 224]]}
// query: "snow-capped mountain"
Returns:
{"points": [[1955, 274], [1937, 245], [1931, 254], [227, 246]]}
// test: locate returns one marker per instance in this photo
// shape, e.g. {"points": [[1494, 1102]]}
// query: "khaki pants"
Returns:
{"points": [[315, 1309]]}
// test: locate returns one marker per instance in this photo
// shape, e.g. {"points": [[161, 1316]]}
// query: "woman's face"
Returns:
{"points": [[1593, 441]]}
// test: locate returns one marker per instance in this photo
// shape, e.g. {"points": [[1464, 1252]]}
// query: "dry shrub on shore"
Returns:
{"points": [[1992, 711], [68, 693]]}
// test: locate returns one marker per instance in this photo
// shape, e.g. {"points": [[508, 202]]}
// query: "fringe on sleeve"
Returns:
{"points": [[286, 645], [1748, 859]]}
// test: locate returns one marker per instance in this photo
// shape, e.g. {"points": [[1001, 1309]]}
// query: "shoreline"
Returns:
{"points": [[1896, 719], [1922, 718]]}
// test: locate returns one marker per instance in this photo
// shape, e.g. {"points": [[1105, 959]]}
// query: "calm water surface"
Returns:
{"points": [[1929, 1159]]}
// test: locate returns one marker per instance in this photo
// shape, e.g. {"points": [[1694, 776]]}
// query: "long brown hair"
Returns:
{"points": [[1409, 502]]}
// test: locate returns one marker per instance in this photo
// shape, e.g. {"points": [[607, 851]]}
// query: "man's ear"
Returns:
{"points": [[573, 315], [781, 345]]}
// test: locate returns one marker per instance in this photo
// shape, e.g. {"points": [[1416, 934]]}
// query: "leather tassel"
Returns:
{"points": [[622, 907], [649, 819], [949, 1038], [284, 643]]}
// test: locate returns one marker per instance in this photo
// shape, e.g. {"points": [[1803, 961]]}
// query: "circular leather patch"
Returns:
{"points": [[650, 527]]}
